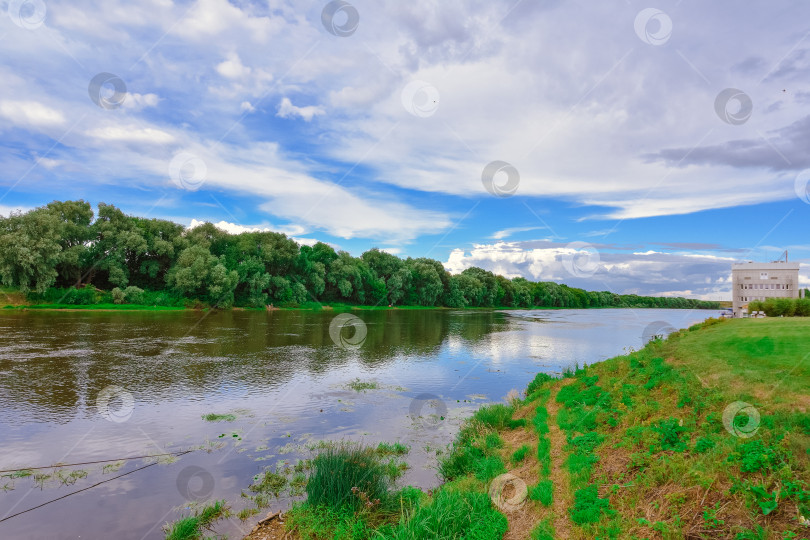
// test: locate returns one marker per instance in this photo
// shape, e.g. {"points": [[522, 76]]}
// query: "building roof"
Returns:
{"points": [[765, 266]]}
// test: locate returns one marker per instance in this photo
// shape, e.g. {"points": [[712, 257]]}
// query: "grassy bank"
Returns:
{"points": [[704, 435]]}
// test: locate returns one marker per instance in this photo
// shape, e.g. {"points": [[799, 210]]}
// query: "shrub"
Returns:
{"points": [[118, 296], [134, 295]]}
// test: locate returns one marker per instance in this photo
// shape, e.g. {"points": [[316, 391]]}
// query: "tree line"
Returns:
{"points": [[62, 252]]}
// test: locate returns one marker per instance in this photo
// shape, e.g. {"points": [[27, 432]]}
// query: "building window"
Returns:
{"points": [[763, 275]]}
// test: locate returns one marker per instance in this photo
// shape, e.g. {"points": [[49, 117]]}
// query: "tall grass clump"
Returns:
{"points": [[202, 519], [453, 515], [348, 475], [542, 492], [498, 416]]}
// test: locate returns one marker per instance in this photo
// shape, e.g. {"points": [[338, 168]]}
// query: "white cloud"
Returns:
{"points": [[645, 273], [233, 228], [132, 134], [135, 101], [245, 106], [5, 210], [30, 113], [287, 110], [506, 233], [232, 68]]}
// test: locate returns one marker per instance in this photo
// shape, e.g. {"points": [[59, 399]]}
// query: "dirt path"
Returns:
{"points": [[559, 473]]}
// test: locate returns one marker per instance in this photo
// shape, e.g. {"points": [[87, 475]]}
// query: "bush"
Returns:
{"points": [[133, 295], [802, 307], [118, 296]]}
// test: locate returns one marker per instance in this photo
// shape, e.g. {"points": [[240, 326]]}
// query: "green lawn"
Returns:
{"points": [[763, 359]]}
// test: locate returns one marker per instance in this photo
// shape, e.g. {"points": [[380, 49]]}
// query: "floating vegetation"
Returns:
{"points": [[213, 417], [396, 449], [113, 467], [68, 478], [361, 386]]}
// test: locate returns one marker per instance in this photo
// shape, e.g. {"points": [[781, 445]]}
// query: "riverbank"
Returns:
{"points": [[337, 307], [704, 435]]}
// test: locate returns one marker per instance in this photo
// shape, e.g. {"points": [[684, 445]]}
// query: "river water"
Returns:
{"points": [[79, 387]]}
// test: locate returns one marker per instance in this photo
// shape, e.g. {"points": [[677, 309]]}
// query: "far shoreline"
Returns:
{"points": [[325, 307]]}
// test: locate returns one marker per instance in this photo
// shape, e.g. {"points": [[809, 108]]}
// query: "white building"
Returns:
{"points": [[760, 281]]}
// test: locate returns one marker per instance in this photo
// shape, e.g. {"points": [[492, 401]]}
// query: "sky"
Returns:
{"points": [[636, 147]]}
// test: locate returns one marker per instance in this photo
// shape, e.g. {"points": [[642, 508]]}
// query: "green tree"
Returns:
{"points": [[30, 250]]}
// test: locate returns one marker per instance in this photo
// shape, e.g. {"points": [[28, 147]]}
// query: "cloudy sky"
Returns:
{"points": [[629, 146]]}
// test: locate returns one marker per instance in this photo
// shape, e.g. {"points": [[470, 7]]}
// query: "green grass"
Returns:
{"points": [[658, 414], [193, 527], [454, 511], [520, 454], [588, 507], [452, 515], [750, 356], [543, 531], [348, 476], [102, 307], [543, 492], [540, 421], [498, 416]]}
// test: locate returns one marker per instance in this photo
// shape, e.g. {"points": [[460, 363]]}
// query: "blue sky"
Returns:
{"points": [[371, 123]]}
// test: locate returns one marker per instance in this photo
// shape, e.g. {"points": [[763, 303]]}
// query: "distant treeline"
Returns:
{"points": [[62, 253]]}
